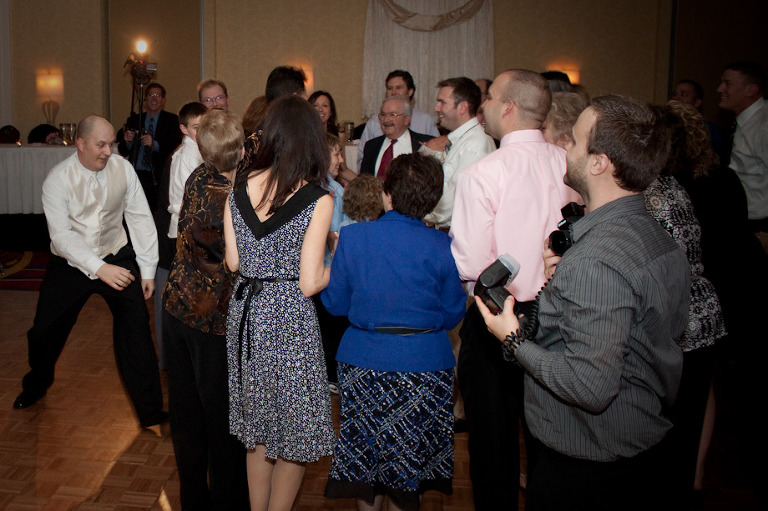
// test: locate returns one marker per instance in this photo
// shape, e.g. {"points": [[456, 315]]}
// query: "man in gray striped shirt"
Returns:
{"points": [[605, 364]]}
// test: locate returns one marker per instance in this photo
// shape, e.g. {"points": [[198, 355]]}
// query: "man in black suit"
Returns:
{"points": [[159, 135], [395, 117]]}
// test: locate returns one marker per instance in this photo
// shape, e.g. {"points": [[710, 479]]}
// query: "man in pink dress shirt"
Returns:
{"points": [[506, 203]]}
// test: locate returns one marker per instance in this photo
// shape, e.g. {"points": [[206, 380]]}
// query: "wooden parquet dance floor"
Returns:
{"points": [[80, 447]]}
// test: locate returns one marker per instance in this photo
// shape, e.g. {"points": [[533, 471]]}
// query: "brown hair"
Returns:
{"points": [[254, 114], [362, 198], [634, 136], [415, 183], [566, 108], [293, 148], [220, 140], [692, 152]]}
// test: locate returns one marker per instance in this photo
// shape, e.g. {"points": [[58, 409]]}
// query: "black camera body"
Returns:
{"points": [[490, 284], [562, 239]]}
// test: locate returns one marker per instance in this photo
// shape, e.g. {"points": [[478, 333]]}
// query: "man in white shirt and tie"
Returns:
{"points": [[395, 118], [85, 199], [398, 83]]}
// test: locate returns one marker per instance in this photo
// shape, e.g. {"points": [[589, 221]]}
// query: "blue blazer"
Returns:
{"points": [[373, 146], [395, 271]]}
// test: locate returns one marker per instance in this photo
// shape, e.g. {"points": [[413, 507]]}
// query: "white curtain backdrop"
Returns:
{"points": [[430, 53]]}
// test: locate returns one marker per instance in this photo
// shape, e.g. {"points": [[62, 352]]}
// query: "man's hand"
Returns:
{"points": [[115, 277], [129, 135], [550, 262], [146, 139], [148, 287], [502, 324], [437, 143]]}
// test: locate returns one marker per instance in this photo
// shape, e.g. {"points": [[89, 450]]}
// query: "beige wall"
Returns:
{"points": [[67, 36], [173, 36], [623, 48], [619, 47], [245, 40]]}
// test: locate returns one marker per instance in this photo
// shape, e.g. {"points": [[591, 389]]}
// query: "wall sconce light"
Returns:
{"points": [[50, 87], [574, 75], [567, 67]]}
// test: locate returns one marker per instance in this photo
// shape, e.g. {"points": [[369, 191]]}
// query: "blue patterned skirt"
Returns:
{"points": [[396, 435]]}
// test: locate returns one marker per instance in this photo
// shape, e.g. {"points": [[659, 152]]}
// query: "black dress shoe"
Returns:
{"points": [[26, 399], [156, 418]]}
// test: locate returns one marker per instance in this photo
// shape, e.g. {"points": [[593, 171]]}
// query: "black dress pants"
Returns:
{"points": [[63, 293], [560, 482], [492, 389], [211, 462]]}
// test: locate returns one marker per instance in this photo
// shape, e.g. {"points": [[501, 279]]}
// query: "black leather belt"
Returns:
{"points": [[402, 330]]}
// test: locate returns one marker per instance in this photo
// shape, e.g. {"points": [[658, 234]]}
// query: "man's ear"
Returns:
{"points": [[600, 164], [751, 90], [508, 108], [183, 129]]}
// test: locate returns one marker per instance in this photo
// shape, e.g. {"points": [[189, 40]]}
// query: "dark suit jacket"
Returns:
{"points": [[373, 146], [167, 134]]}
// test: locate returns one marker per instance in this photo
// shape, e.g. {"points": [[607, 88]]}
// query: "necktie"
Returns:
{"points": [[147, 160], [386, 159], [96, 189]]}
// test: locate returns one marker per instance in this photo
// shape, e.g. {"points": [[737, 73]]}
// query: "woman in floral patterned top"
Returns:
{"points": [[211, 462]]}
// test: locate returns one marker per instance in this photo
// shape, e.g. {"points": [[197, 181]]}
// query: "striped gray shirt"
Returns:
{"points": [[605, 362]]}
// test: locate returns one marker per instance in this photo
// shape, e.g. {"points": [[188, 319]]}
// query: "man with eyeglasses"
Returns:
{"points": [[149, 141], [213, 94], [395, 119], [398, 83]]}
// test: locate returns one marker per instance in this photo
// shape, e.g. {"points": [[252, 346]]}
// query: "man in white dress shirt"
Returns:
{"points": [[398, 83], [457, 102], [85, 199], [741, 91], [395, 117]]}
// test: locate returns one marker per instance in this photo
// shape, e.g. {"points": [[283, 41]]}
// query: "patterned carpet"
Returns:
{"points": [[22, 271]]}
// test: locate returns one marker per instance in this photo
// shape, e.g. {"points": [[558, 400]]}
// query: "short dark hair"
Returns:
{"points": [[557, 81], [293, 146], [415, 183], [220, 139], [752, 72], [284, 81], [696, 87], [634, 136], [407, 78], [464, 89], [155, 85], [208, 83], [190, 111]]}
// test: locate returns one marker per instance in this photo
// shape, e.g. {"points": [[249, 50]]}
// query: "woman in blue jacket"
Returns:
{"points": [[397, 281]]}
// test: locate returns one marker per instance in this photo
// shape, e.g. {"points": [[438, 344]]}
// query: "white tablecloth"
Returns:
{"points": [[350, 157], [22, 171]]}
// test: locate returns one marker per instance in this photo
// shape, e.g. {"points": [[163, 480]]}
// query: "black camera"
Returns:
{"points": [[490, 284], [562, 239]]}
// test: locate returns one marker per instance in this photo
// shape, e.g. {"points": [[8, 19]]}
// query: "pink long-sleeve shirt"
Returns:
{"points": [[507, 203]]}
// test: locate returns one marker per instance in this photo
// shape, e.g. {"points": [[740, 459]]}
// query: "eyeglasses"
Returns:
{"points": [[214, 100], [154, 95], [388, 115]]}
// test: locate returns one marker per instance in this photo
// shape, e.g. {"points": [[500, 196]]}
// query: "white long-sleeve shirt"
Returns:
{"points": [[183, 163], [64, 209]]}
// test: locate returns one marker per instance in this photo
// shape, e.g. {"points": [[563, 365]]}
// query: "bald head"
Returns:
{"points": [[530, 92], [95, 137], [89, 124]]}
